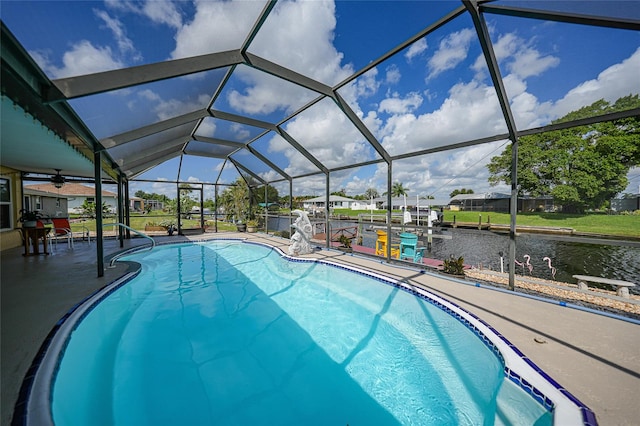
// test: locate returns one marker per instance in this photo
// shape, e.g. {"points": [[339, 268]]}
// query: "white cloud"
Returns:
{"points": [[83, 58], [306, 47], [327, 133], [158, 11], [163, 12], [299, 35], [264, 94], [397, 105], [365, 86], [416, 49], [216, 27], [149, 95], [471, 111], [518, 57], [115, 26], [206, 128], [452, 50], [174, 107], [529, 62], [614, 82], [241, 133], [393, 74]]}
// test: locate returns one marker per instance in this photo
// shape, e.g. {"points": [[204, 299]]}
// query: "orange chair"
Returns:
{"points": [[381, 245], [62, 229]]}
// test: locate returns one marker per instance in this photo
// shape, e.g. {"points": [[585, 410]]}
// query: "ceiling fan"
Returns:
{"points": [[57, 180]]}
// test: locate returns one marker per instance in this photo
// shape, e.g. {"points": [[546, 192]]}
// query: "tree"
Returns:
{"points": [[187, 201], [581, 167], [89, 209], [371, 193], [272, 194], [398, 190], [235, 200], [460, 191]]}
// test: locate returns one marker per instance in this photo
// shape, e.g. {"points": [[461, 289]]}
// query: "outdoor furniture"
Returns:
{"points": [[61, 229], [32, 237], [409, 249], [381, 245], [622, 287]]}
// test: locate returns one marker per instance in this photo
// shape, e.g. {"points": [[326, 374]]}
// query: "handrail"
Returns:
{"points": [[142, 234]]}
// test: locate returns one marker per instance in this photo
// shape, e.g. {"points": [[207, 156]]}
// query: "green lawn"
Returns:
{"points": [[139, 222], [625, 225]]}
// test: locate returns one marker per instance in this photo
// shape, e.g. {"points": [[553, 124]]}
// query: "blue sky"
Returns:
{"points": [[434, 92]]}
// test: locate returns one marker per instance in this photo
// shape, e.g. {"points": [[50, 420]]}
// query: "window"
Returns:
{"points": [[5, 204], [91, 200], [38, 203]]}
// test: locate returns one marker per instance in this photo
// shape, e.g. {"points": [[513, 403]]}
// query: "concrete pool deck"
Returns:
{"points": [[597, 358]]}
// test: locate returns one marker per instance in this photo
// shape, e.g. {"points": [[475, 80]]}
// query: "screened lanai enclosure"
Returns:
{"points": [[309, 97]]}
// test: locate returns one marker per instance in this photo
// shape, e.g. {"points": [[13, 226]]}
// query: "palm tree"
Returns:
{"points": [[398, 190], [235, 200]]}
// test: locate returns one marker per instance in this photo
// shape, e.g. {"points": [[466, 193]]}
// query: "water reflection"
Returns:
{"points": [[569, 255]]}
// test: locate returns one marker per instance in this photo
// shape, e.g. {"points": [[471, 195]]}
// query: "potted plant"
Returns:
{"points": [[454, 266], [29, 219], [169, 226], [346, 244], [252, 225]]}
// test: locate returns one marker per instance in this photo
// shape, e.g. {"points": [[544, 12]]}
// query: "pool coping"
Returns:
{"points": [[34, 402]]}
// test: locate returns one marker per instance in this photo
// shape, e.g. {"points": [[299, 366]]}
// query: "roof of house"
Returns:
{"points": [[332, 198], [481, 196], [411, 201], [69, 189]]}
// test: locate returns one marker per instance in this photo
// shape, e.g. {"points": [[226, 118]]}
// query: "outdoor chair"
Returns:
{"points": [[381, 245], [62, 229], [409, 249]]}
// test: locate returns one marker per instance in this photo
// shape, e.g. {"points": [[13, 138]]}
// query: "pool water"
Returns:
{"points": [[229, 333]]}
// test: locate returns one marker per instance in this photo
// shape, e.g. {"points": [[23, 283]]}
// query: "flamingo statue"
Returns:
{"points": [[519, 264], [553, 270], [528, 263]]}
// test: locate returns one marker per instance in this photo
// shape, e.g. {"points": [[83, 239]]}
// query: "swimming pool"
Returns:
{"points": [[226, 332]]}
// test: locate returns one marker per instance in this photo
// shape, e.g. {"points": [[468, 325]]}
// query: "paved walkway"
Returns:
{"points": [[597, 358]]}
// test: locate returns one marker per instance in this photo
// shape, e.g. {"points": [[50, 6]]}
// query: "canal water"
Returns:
{"points": [[615, 259]]}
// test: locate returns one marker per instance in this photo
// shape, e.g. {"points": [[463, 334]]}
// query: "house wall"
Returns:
{"points": [[625, 204], [76, 202], [10, 236], [54, 206]]}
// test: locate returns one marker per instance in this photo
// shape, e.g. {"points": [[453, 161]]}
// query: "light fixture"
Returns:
{"points": [[57, 180]]}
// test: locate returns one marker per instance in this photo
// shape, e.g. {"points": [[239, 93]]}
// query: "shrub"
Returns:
{"points": [[345, 241], [166, 224], [454, 266], [283, 234]]}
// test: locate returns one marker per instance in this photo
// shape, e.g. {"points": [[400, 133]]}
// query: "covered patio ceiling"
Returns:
{"points": [[61, 123]]}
